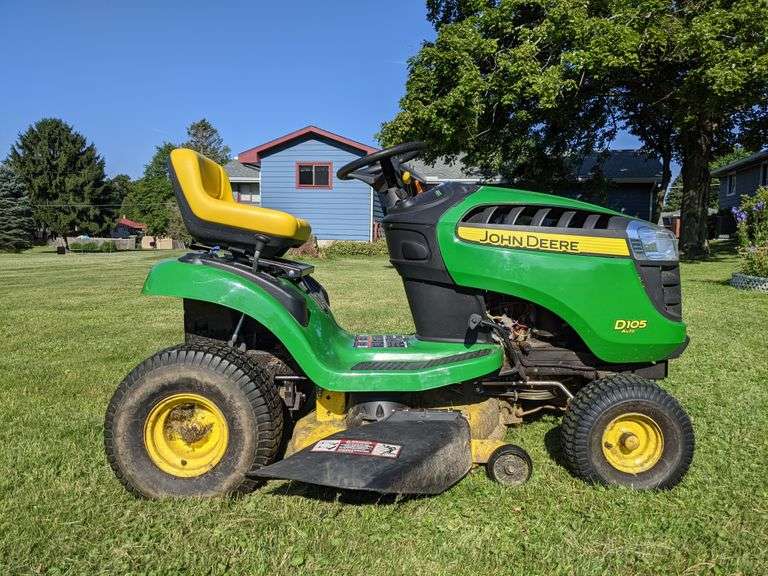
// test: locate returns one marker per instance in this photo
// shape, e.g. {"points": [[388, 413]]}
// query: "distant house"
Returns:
{"points": [[297, 173], [245, 180], [627, 181], [125, 228], [737, 179], [624, 180]]}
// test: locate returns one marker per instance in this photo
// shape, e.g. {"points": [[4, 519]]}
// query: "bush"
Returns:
{"points": [[752, 228], [309, 249], [84, 247], [346, 248], [108, 246]]}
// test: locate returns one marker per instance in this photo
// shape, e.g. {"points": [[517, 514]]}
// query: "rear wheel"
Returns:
{"points": [[626, 430], [193, 420]]}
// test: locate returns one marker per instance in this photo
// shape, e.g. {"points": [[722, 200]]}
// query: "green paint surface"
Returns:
{"points": [[323, 349], [589, 292]]}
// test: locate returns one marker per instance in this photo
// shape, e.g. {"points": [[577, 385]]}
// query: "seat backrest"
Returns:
{"points": [[198, 175]]}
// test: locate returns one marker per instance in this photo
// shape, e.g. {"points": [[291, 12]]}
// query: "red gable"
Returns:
{"points": [[253, 155]]}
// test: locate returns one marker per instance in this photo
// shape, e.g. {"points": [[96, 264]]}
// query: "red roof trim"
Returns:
{"points": [[131, 223], [253, 155]]}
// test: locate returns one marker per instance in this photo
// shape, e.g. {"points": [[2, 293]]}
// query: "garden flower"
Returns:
{"points": [[739, 214]]}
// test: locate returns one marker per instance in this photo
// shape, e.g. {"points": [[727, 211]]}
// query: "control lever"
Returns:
{"points": [[476, 320], [504, 335]]}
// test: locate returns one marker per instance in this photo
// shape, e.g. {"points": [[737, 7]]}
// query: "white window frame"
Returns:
{"points": [[731, 184]]}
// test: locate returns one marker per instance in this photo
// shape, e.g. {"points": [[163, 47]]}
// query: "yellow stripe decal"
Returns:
{"points": [[568, 243]]}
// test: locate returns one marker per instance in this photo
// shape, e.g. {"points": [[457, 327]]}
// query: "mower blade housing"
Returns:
{"points": [[410, 452]]}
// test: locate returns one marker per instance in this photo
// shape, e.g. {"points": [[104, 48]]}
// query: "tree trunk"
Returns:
{"points": [[696, 155], [666, 177]]}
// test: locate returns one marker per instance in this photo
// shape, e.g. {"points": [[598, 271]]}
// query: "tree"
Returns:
{"points": [[148, 198], [16, 223], [64, 178], [516, 84], [121, 187], [675, 194], [204, 138]]}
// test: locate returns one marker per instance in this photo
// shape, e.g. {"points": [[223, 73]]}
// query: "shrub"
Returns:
{"points": [[84, 247], [346, 248], [752, 227], [108, 246], [309, 249]]}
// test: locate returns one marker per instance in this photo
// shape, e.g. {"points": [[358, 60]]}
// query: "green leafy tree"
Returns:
{"points": [[64, 178], [176, 227], [204, 138], [148, 198], [121, 187], [16, 223], [675, 195], [520, 85]]}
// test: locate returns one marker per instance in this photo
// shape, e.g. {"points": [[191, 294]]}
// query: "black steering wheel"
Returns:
{"points": [[383, 170]]}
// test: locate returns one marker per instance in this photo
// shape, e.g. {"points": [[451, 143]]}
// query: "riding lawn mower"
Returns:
{"points": [[522, 302]]}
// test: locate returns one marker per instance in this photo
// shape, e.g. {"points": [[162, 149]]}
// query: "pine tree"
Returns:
{"points": [[64, 177], [204, 138], [16, 224]]}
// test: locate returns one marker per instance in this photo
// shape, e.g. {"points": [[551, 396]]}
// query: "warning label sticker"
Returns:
{"points": [[358, 447]]}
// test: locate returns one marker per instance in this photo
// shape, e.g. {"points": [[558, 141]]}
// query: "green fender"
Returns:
{"points": [[323, 349]]}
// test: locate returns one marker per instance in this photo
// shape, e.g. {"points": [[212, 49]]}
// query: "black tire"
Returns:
{"points": [[598, 404], [236, 385], [509, 465]]}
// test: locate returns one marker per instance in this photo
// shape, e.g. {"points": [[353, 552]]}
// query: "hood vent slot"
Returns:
{"points": [[542, 217]]}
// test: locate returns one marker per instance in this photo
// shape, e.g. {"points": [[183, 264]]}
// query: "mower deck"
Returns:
{"points": [[410, 452]]}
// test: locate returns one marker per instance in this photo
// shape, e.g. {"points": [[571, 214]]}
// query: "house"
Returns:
{"points": [[737, 179], [125, 228], [245, 180], [627, 181], [297, 173], [624, 180]]}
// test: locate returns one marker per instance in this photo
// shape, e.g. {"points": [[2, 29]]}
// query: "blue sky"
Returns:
{"points": [[129, 75]]}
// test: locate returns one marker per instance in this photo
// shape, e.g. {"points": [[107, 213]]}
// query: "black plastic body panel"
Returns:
{"points": [[288, 295], [440, 308], [662, 284]]}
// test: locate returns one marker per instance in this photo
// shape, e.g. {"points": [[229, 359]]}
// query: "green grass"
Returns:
{"points": [[72, 326]]}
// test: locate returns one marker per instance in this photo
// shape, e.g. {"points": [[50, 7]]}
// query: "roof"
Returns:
{"points": [[237, 171], [616, 165], [441, 170], [131, 224], [253, 155], [620, 166], [756, 157]]}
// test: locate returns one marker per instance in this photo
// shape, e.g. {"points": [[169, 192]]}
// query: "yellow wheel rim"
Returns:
{"points": [[632, 443], [186, 435]]}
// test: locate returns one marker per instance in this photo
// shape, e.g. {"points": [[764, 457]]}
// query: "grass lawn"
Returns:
{"points": [[72, 326]]}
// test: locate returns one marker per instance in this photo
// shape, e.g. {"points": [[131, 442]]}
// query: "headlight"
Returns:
{"points": [[649, 242]]}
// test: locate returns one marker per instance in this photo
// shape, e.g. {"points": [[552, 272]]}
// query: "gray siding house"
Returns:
{"points": [[631, 180], [738, 178], [744, 176], [297, 174]]}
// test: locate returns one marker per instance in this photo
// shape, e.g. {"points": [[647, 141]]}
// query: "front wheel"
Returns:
{"points": [[193, 420], [626, 430]]}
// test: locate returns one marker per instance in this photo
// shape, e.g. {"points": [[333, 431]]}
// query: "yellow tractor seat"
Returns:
{"points": [[212, 215]]}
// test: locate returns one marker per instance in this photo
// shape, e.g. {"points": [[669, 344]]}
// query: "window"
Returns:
{"points": [[314, 175], [247, 193], [764, 174], [731, 184]]}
